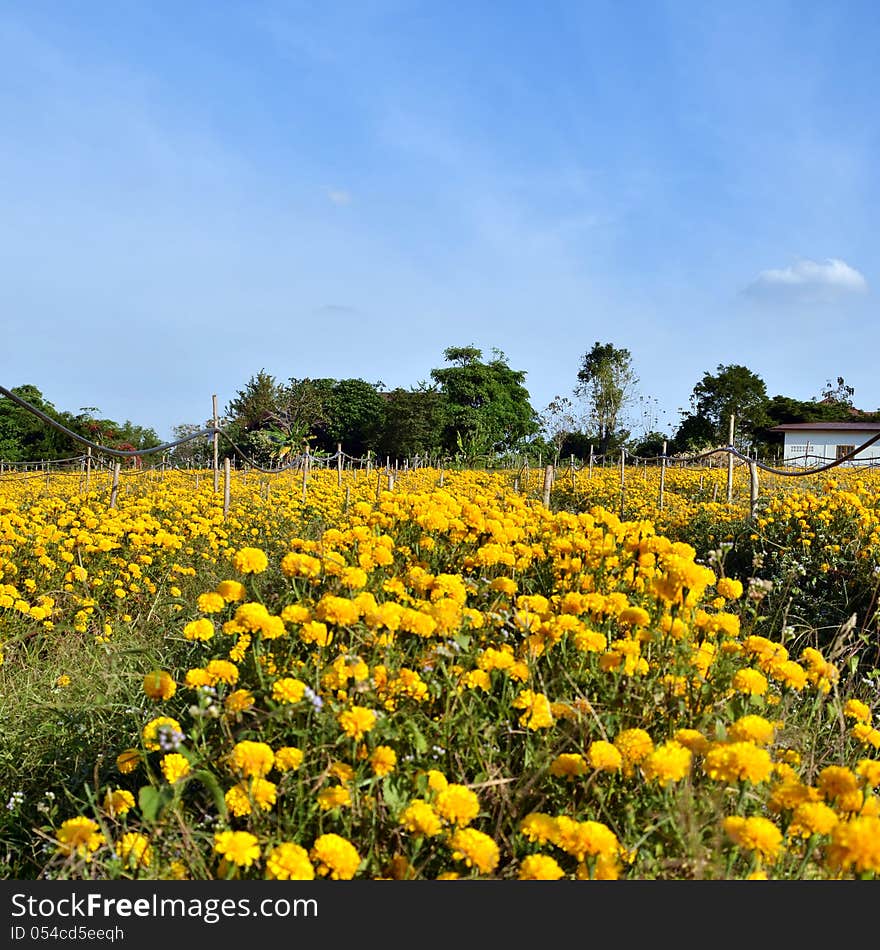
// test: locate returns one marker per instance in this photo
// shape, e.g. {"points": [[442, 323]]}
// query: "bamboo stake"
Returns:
{"points": [[663, 474], [216, 446], [548, 484], [227, 479], [730, 461], [114, 487]]}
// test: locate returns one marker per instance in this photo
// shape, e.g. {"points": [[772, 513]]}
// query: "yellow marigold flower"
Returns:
{"points": [[238, 801], [239, 701], [729, 588], [289, 862], [343, 771], [869, 770], [231, 591], [866, 735], [752, 729], [79, 836], [855, 845], [604, 756], [128, 760], [539, 827], [738, 762], [210, 602], [335, 857], [693, 739], [536, 706], [856, 709], [633, 745], [316, 632], [634, 616], [252, 759], [197, 678], [118, 802], [222, 671], [288, 758], [337, 610], [63, 680], [583, 838], [174, 767], [476, 849], [420, 818], [288, 690], [669, 762], [437, 781], [357, 721], [749, 681], [756, 834], [296, 564], [504, 585], [159, 685], [336, 796], [250, 561], [840, 786], [201, 629], [457, 804], [296, 613], [383, 760], [238, 847], [568, 765], [134, 850], [812, 818], [789, 673], [161, 726], [539, 867], [477, 679]]}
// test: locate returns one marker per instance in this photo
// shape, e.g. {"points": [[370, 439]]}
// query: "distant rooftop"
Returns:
{"points": [[823, 426]]}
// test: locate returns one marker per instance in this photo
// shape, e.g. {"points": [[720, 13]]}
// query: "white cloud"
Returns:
{"points": [[339, 197], [809, 281]]}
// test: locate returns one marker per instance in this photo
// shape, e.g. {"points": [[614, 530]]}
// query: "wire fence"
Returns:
{"points": [[98, 457]]}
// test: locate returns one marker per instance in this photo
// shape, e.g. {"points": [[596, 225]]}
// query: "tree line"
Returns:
{"points": [[472, 408]]}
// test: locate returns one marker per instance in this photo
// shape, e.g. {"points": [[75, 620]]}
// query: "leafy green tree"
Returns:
{"points": [[414, 423], [355, 416], [840, 393], [488, 408], [606, 380], [558, 422], [732, 390], [26, 438]]}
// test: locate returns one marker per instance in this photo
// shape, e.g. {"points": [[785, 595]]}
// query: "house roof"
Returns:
{"points": [[826, 426]]}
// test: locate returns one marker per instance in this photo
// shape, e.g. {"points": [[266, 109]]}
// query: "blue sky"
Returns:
{"points": [[192, 192]]}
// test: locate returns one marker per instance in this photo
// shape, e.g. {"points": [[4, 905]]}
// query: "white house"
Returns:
{"points": [[816, 443]]}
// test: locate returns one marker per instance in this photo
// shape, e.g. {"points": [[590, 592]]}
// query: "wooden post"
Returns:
{"points": [[347, 497], [369, 464], [622, 477], [227, 479], [339, 464], [391, 481], [548, 484], [378, 485], [305, 480], [216, 438], [441, 477], [591, 461], [753, 489], [730, 462], [663, 474], [88, 466], [114, 487]]}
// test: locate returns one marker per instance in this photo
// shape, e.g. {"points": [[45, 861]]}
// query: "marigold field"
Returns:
{"points": [[441, 679]]}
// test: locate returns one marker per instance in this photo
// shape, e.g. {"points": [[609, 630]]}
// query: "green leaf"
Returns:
{"points": [[153, 801], [209, 780]]}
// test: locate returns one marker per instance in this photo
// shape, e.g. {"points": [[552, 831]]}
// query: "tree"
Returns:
{"points": [[605, 383], [488, 408], [415, 419], [354, 415], [839, 394], [731, 390], [558, 422]]}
